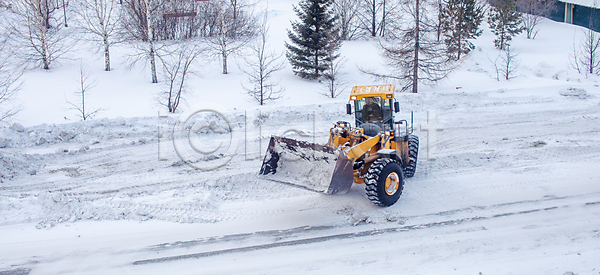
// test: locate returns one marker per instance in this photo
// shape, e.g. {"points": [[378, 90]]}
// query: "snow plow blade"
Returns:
{"points": [[307, 165]]}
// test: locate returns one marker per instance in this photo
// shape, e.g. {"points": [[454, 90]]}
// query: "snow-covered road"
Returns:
{"points": [[515, 189], [525, 237]]}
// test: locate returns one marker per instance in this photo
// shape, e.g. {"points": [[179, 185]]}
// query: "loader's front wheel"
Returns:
{"points": [[385, 181], [413, 153]]}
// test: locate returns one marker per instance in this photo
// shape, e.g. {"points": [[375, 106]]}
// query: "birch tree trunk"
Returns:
{"points": [[106, 54], [150, 36]]}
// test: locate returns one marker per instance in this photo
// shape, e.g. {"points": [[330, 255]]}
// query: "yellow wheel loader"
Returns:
{"points": [[379, 152]]}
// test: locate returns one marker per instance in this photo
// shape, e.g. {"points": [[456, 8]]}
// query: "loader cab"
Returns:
{"points": [[374, 108]]}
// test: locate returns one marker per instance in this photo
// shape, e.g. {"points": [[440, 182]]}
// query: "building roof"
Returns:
{"points": [[586, 3]]}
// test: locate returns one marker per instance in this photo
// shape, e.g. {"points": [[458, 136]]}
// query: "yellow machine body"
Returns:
{"points": [[356, 148], [364, 147]]}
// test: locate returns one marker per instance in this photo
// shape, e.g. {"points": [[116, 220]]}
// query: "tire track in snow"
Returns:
{"points": [[283, 234], [145, 202], [353, 235]]}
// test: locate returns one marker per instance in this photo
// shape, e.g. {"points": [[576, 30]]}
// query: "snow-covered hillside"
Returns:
{"points": [[514, 189]]}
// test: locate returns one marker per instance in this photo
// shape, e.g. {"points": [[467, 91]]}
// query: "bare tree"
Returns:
{"points": [[261, 66], [370, 16], [377, 17], [10, 83], [574, 57], [533, 12], [235, 28], [334, 83], [207, 19], [64, 7], [134, 20], [38, 32], [413, 52], [177, 67], [438, 26], [347, 12], [506, 64], [45, 10], [388, 8], [85, 85], [587, 57], [101, 19], [149, 7], [139, 25], [180, 19]]}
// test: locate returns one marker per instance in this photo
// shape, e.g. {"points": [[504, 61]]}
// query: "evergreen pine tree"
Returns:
{"points": [[505, 22], [460, 21], [312, 38]]}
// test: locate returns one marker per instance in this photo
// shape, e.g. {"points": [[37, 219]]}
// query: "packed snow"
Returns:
{"points": [[303, 167], [514, 189]]}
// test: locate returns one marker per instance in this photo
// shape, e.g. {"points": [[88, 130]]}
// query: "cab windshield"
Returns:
{"points": [[374, 110]]}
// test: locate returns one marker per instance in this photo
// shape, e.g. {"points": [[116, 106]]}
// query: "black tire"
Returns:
{"points": [[384, 171], [413, 153]]}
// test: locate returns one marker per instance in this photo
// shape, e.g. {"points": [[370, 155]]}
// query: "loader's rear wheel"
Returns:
{"points": [[413, 153], [385, 182]]}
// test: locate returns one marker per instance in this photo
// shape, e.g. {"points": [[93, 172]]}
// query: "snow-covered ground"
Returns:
{"points": [[514, 189]]}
